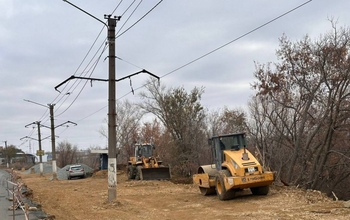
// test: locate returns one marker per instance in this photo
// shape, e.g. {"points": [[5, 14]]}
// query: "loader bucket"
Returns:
{"points": [[160, 173]]}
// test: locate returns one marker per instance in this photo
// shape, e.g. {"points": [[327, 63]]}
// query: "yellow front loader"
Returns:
{"points": [[235, 168], [144, 166]]}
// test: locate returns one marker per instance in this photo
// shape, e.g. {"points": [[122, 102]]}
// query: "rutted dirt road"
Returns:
{"points": [[87, 199]]}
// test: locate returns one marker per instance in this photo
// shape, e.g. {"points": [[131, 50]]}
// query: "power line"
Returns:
{"points": [[234, 40], [92, 113], [127, 9], [132, 64], [129, 15], [78, 82], [88, 52], [139, 19], [224, 45], [68, 93], [116, 7], [208, 53], [176, 69], [83, 85], [75, 84], [81, 63]]}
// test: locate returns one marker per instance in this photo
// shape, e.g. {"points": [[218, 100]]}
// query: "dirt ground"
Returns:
{"points": [[87, 199]]}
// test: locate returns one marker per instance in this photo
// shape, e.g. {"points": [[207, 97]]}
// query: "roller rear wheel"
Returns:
{"points": [[261, 190], [207, 191]]}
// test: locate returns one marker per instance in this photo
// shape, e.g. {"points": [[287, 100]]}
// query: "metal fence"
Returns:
{"points": [[14, 188]]}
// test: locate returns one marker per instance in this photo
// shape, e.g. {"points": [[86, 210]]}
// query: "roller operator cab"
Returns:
{"points": [[234, 169]]}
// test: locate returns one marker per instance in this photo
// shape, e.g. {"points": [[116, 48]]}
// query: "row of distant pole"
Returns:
{"points": [[40, 153]]}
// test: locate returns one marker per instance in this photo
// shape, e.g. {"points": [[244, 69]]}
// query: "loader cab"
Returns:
{"points": [[145, 150], [232, 142]]}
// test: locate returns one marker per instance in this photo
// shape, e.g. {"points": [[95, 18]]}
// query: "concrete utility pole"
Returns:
{"points": [[53, 139], [112, 146], [53, 143], [112, 159], [7, 155], [39, 153]]}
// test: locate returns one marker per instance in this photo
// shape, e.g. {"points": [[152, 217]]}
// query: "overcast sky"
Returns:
{"points": [[43, 42]]}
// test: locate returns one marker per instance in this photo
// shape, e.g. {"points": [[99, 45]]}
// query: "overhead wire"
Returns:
{"points": [[44, 115], [129, 15], [92, 68], [92, 113], [116, 37], [65, 95], [83, 85], [117, 7], [224, 45], [234, 40], [75, 84], [70, 90], [81, 63], [214, 50], [30, 134], [139, 19], [132, 64], [79, 81], [176, 69], [127, 9]]}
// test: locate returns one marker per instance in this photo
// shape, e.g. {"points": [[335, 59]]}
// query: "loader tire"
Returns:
{"points": [[221, 191], [131, 173], [261, 190], [138, 173]]}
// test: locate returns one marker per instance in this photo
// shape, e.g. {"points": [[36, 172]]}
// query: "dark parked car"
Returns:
{"points": [[75, 171]]}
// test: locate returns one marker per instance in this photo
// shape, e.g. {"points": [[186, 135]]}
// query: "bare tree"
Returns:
{"points": [[225, 121], [302, 107], [128, 121], [67, 153], [153, 132], [183, 117]]}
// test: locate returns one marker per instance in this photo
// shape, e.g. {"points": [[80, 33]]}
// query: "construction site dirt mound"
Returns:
{"points": [[87, 199]]}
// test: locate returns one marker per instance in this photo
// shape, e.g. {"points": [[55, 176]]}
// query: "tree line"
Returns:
{"points": [[301, 112]]}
